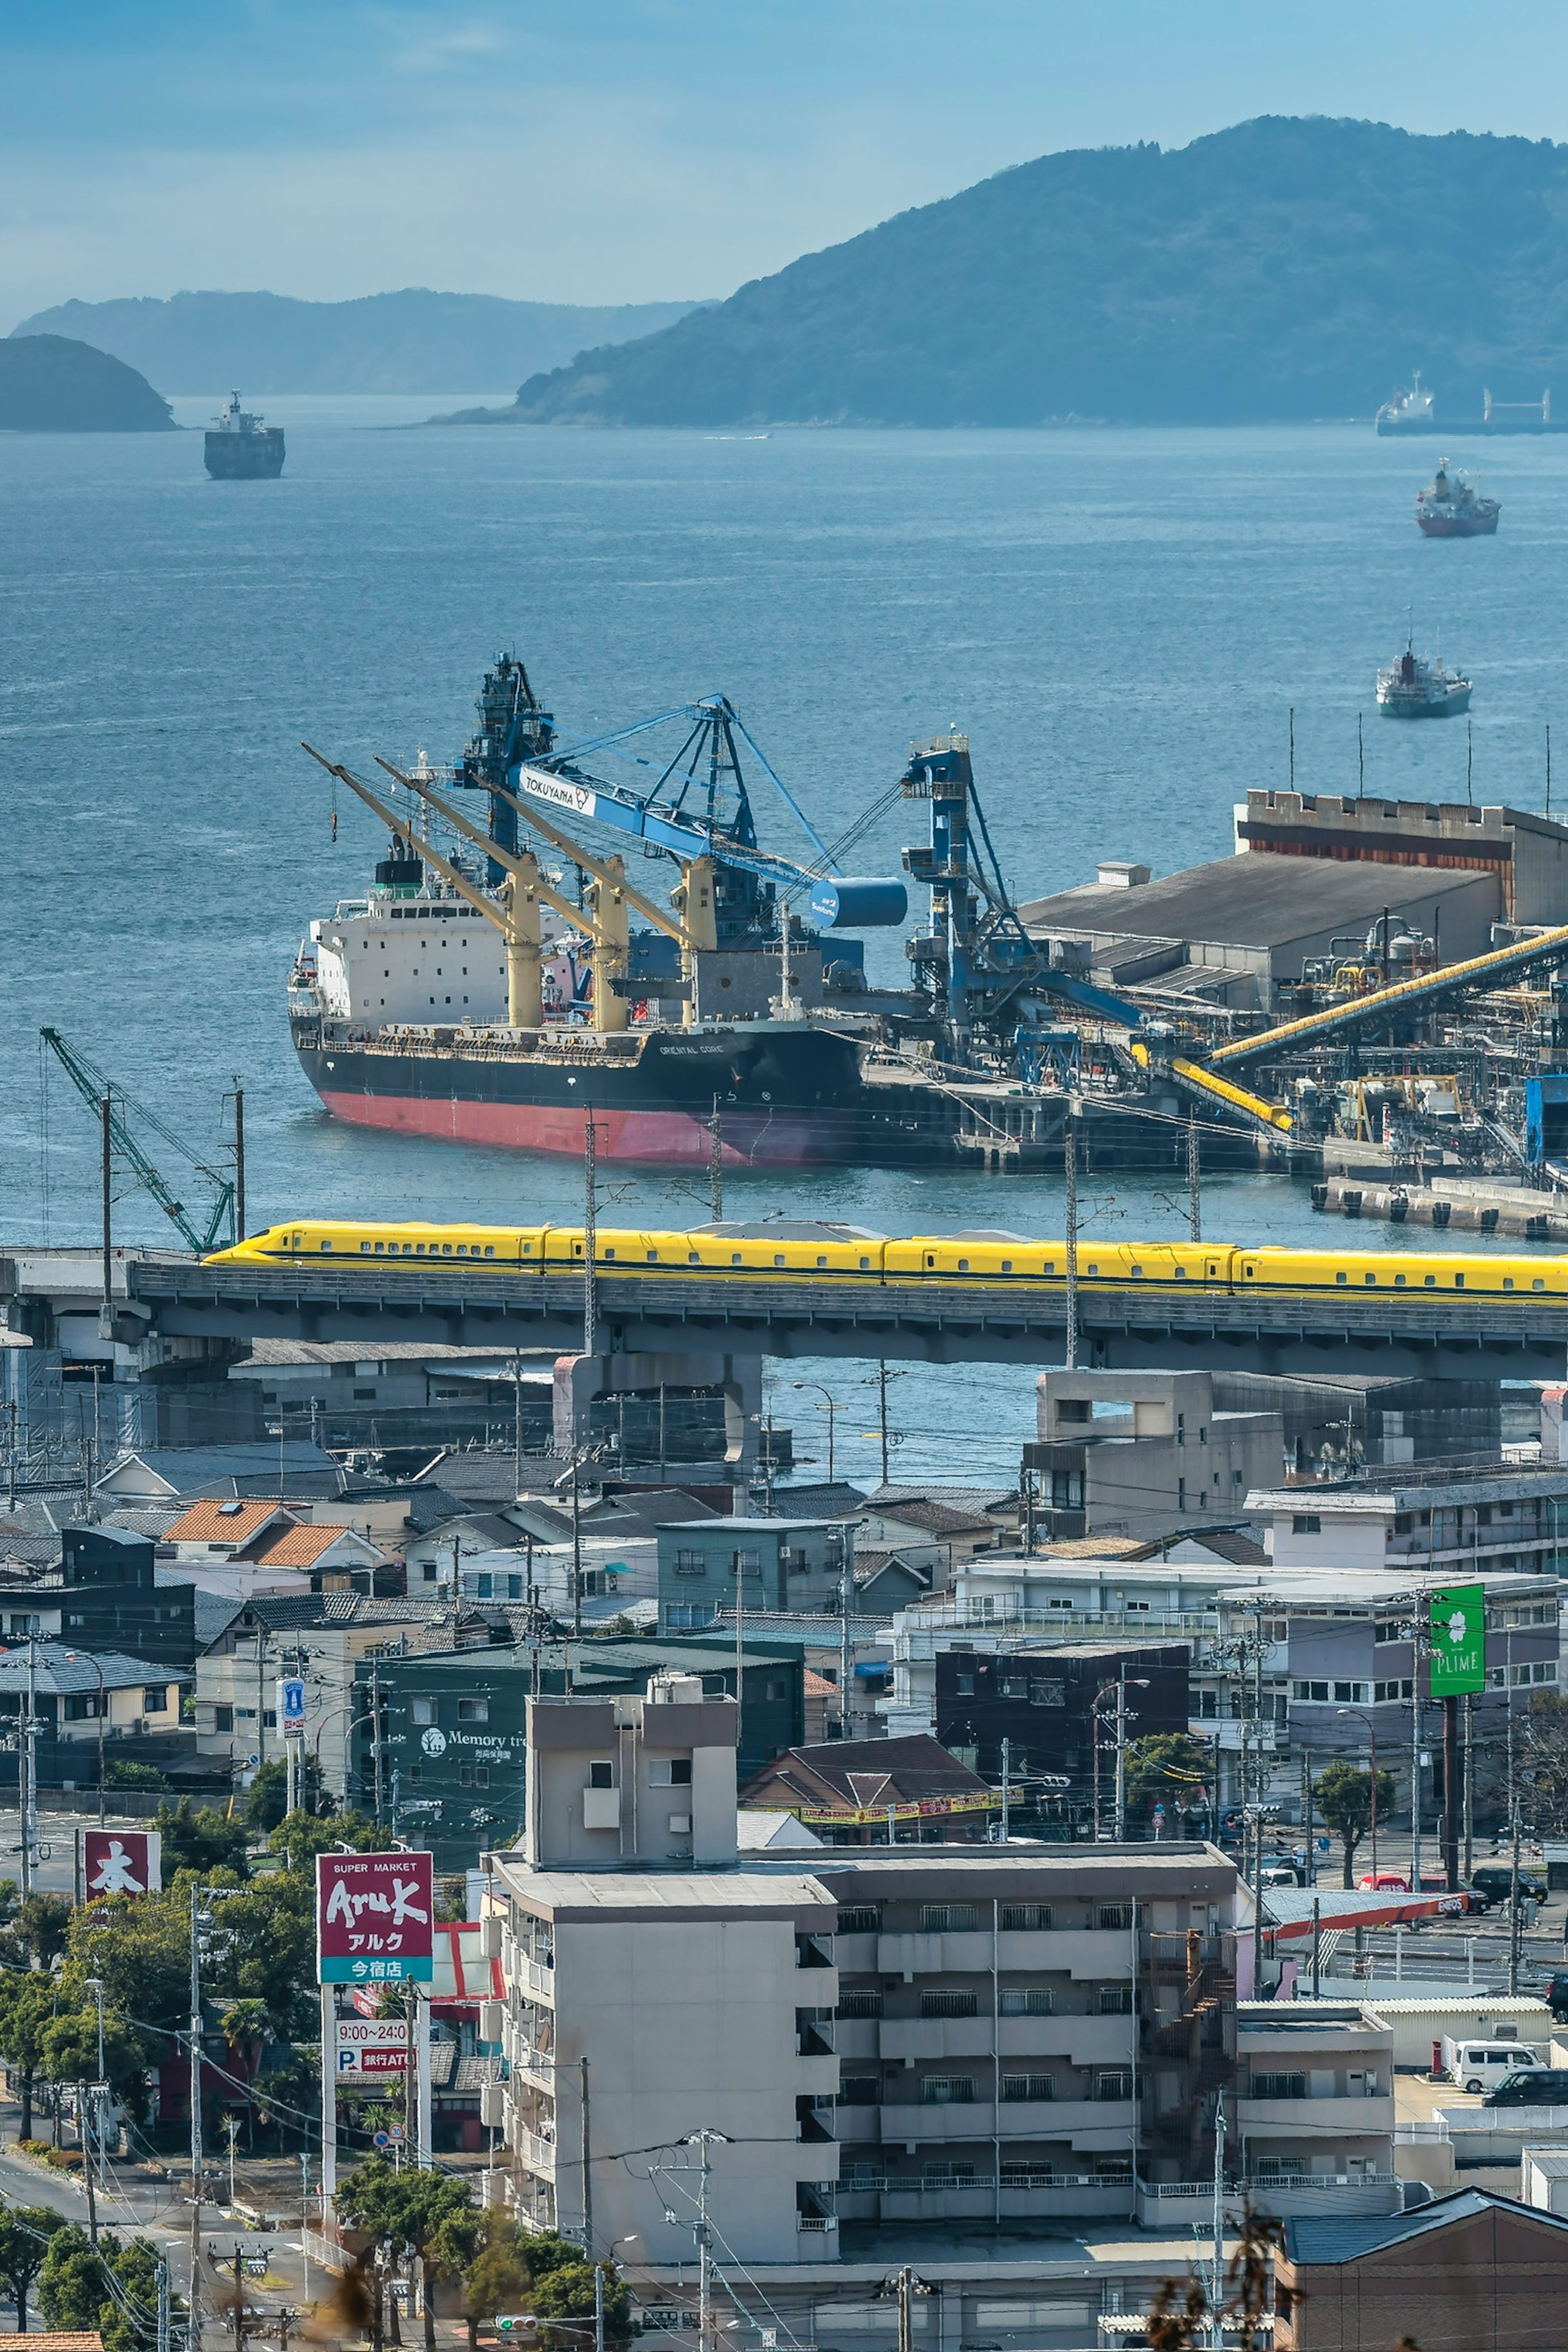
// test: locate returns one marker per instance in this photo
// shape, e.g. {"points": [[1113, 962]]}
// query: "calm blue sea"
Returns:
{"points": [[1120, 620]]}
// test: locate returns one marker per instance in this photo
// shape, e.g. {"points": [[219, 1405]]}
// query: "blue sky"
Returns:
{"points": [[627, 149]]}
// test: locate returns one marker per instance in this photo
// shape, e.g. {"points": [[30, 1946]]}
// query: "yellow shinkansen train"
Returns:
{"points": [[864, 1258]]}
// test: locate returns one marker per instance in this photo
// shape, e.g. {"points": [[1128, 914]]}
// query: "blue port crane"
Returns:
{"points": [[106, 1099]]}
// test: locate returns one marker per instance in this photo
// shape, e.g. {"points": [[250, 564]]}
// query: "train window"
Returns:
{"points": [[653, 1257], [462, 1249], [1007, 1264], [1458, 1282], [1508, 1284], [364, 1248], [929, 1260], [408, 1249], [866, 1266], [297, 1238], [1181, 1273], [609, 1253], [1094, 1269], [734, 1257], [1136, 1272], [446, 1249], [1050, 1265], [1537, 1283], [490, 1249], [527, 1250], [821, 1261], [1399, 1285], [1371, 1277], [778, 1258], [693, 1257], [577, 1249], [1248, 1270], [1431, 1283], [964, 1265], [1342, 1278], [418, 1249], [326, 1245], [1214, 1270]]}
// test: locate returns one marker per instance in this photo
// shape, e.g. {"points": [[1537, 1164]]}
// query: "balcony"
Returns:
{"points": [[1315, 2118], [1105, 2125], [535, 1978], [1037, 2198], [1067, 2040], [1182, 2204], [534, 2151], [1084, 1953]]}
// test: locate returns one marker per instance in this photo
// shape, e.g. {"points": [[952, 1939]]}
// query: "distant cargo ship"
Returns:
{"points": [[1451, 508], [1412, 689], [241, 448], [1416, 411]]}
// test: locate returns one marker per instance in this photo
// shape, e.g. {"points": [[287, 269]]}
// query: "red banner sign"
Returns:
{"points": [[121, 1861], [373, 1918]]}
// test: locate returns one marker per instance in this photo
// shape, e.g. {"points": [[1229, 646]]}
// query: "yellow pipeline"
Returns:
{"points": [[1403, 991], [1224, 1090]]}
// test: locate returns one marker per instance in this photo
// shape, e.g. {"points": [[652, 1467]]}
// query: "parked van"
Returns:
{"points": [[1482, 2065]]}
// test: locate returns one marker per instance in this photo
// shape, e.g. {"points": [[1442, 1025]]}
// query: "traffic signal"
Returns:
{"points": [[515, 2322]]}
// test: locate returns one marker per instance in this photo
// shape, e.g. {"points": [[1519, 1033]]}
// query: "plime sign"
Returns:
{"points": [[1458, 1627]]}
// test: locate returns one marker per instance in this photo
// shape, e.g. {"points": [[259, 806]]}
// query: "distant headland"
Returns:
{"points": [[50, 383]]}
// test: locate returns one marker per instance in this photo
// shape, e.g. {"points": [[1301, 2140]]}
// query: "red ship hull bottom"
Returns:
{"points": [[665, 1138]]}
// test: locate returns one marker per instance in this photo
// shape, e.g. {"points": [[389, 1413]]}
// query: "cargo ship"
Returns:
{"points": [[1451, 508], [1413, 688], [241, 448], [468, 995]]}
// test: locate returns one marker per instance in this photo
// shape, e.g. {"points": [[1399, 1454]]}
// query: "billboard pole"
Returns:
{"points": [[329, 2106]]}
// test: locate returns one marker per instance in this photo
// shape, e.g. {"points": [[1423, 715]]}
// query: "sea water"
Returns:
{"points": [[1121, 622]]}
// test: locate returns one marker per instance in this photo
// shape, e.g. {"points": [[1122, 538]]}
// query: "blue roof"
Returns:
{"points": [[1319, 2240]]}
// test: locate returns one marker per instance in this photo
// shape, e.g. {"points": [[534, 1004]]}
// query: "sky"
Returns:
{"points": [[610, 150]]}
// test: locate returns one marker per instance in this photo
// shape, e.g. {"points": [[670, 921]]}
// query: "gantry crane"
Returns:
{"points": [[110, 1104]]}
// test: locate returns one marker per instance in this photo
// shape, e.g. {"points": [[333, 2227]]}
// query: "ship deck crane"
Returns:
{"points": [[112, 1105]]}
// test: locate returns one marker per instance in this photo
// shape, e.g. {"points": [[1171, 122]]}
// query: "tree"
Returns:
{"points": [[71, 2292], [68, 2050], [1343, 1796], [498, 2278], [267, 1797], [246, 2026], [120, 1773], [25, 2233], [203, 1841], [43, 1925], [74, 2293], [1169, 1769], [431, 2214], [302, 1836], [565, 2292], [1543, 1739], [28, 2002]]}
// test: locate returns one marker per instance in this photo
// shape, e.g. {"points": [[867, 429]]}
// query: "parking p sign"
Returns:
{"points": [[292, 1706]]}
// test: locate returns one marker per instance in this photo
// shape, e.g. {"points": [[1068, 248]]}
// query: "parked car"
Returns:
{"points": [[1482, 2065], [1531, 2086], [1556, 1996], [1496, 1879]]}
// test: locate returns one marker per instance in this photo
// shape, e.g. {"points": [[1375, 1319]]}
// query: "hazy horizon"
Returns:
{"points": [[654, 151]]}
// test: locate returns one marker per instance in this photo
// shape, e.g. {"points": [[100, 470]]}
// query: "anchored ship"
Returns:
{"points": [[1451, 508], [241, 448], [476, 994], [1413, 688], [1408, 412]]}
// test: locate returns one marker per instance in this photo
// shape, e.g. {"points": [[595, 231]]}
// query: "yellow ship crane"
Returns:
{"points": [[693, 896], [610, 893]]}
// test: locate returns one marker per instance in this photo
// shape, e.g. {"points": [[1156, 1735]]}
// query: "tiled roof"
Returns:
{"points": [[216, 1521], [53, 2339], [1319, 2239], [61, 1669], [858, 1773], [295, 1546]]}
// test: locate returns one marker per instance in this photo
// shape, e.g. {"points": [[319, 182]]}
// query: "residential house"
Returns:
{"points": [[182, 1473], [1314, 2103], [73, 1694], [1455, 1524], [1472, 2268], [708, 1565], [868, 1792]]}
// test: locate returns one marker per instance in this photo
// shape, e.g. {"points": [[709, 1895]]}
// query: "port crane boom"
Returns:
{"points": [[99, 1091]]}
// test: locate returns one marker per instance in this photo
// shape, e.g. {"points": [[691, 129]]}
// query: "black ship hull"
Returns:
{"points": [[786, 1098], [245, 457]]}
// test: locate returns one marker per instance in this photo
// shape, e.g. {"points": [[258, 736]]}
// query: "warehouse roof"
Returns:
{"points": [[1255, 901]]}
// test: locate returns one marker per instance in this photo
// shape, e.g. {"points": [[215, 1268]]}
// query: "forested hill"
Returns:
{"points": [[411, 342], [51, 384], [1282, 269]]}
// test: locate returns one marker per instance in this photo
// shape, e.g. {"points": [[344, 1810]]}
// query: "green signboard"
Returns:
{"points": [[1459, 1624]]}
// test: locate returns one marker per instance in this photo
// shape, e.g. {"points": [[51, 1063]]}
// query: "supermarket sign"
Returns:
{"points": [[1457, 1624], [373, 1918]]}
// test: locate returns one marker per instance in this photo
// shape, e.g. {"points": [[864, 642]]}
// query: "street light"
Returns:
{"points": [[1372, 1735], [832, 1409], [81, 1658]]}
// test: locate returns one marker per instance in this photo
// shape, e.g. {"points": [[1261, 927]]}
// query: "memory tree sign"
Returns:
{"points": [[373, 1918]]}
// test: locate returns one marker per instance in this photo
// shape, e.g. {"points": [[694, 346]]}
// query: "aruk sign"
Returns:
{"points": [[374, 1915]]}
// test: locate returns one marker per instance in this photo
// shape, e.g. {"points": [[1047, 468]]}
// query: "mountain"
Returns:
{"points": [[51, 384], [411, 342], [1282, 269]]}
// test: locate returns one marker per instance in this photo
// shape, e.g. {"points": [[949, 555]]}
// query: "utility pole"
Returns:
{"points": [[517, 1423], [844, 1658], [586, 2150], [1120, 1817], [28, 1769], [1194, 1183], [590, 1239], [1215, 2331], [238, 1160], [1451, 1793], [375, 1741], [1513, 1953], [1469, 1787], [194, 2337], [882, 1399], [576, 1541], [84, 2134], [106, 1113], [1069, 1164], [239, 2302], [1006, 1789]]}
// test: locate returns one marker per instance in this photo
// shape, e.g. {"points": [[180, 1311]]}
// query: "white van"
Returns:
{"points": [[1482, 2065]]}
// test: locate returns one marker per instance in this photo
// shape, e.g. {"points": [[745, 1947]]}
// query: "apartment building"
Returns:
{"points": [[1134, 1453], [932, 2035], [709, 1565], [1315, 2104], [1459, 1524]]}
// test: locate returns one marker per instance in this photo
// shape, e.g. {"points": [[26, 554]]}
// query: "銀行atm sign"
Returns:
{"points": [[374, 1915]]}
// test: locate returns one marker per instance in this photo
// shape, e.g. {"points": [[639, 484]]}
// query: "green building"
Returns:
{"points": [[450, 1769]]}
